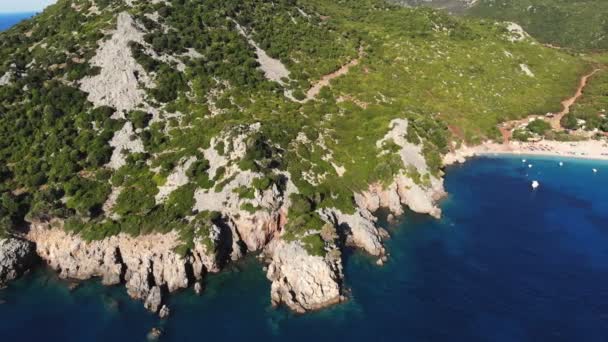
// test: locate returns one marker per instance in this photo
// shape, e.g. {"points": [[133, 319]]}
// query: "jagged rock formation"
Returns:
{"points": [[304, 282], [16, 257], [403, 192], [148, 265], [359, 228]]}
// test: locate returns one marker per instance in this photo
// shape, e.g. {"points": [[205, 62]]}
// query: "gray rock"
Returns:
{"points": [[139, 262], [164, 312], [198, 288], [154, 299], [16, 257], [304, 282]]}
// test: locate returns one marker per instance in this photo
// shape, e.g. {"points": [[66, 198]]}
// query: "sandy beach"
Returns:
{"points": [[588, 149]]}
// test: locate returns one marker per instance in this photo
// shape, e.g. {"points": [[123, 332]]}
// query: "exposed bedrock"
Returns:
{"points": [[359, 228], [147, 265], [16, 257], [150, 268], [403, 192], [304, 282]]}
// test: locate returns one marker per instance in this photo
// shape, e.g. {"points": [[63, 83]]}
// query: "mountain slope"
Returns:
{"points": [[579, 24], [151, 142]]}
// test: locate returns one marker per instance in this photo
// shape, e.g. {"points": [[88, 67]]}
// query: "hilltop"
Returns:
{"points": [[152, 142]]}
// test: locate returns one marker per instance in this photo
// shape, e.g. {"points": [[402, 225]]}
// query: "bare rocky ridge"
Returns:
{"points": [[118, 83]]}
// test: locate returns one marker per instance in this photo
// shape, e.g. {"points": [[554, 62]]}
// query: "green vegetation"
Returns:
{"points": [[578, 24], [453, 79], [591, 109], [199, 229], [539, 127]]}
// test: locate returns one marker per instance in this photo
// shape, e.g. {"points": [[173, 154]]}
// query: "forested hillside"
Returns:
{"points": [[577, 24], [580, 24], [132, 116]]}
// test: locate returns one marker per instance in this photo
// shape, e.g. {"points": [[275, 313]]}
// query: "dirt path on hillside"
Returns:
{"points": [[506, 128], [567, 103], [326, 79]]}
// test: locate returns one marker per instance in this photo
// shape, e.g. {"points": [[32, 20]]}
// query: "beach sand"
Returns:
{"points": [[588, 149]]}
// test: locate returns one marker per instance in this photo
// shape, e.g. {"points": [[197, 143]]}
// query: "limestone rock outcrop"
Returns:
{"points": [[304, 282], [16, 257], [360, 229], [403, 192], [148, 265]]}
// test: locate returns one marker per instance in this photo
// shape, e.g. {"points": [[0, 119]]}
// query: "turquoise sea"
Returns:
{"points": [[505, 263]]}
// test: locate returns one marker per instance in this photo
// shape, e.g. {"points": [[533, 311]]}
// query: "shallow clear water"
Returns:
{"points": [[505, 263], [9, 19]]}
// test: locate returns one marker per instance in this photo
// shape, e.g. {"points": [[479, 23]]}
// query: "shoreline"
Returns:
{"points": [[586, 149]]}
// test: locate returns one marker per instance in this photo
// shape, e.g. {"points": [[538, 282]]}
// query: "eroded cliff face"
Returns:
{"points": [[150, 268], [16, 257], [147, 265], [401, 193], [304, 282]]}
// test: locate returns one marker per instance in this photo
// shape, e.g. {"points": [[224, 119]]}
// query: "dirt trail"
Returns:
{"points": [[567, 103], [325, 80], [507, 127]]}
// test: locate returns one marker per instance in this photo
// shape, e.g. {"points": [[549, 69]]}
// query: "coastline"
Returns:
{"points": [[587, 149]]}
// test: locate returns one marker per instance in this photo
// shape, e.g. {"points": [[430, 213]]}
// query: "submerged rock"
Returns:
{"points": [[16, 257], [164, 312], [198, 288], [154, 334]]}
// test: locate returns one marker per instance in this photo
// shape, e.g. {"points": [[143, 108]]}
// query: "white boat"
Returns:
{"points": [[594, 170], [529, 166], [535, 184], [561, 163]]}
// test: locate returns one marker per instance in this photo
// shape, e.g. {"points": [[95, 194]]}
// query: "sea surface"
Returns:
{"points": [[9, 19], [505, 263]]}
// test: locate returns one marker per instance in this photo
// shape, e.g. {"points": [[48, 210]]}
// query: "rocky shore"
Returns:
{"points": [[150, 268], [17, 256]]}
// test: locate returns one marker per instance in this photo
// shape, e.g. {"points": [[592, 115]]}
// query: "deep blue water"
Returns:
{"points": [[9, 19], [505, 263]]}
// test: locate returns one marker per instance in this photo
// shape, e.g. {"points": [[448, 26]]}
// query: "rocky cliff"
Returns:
{"points": [[147, 265], [16, 257], [178, 144]]}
